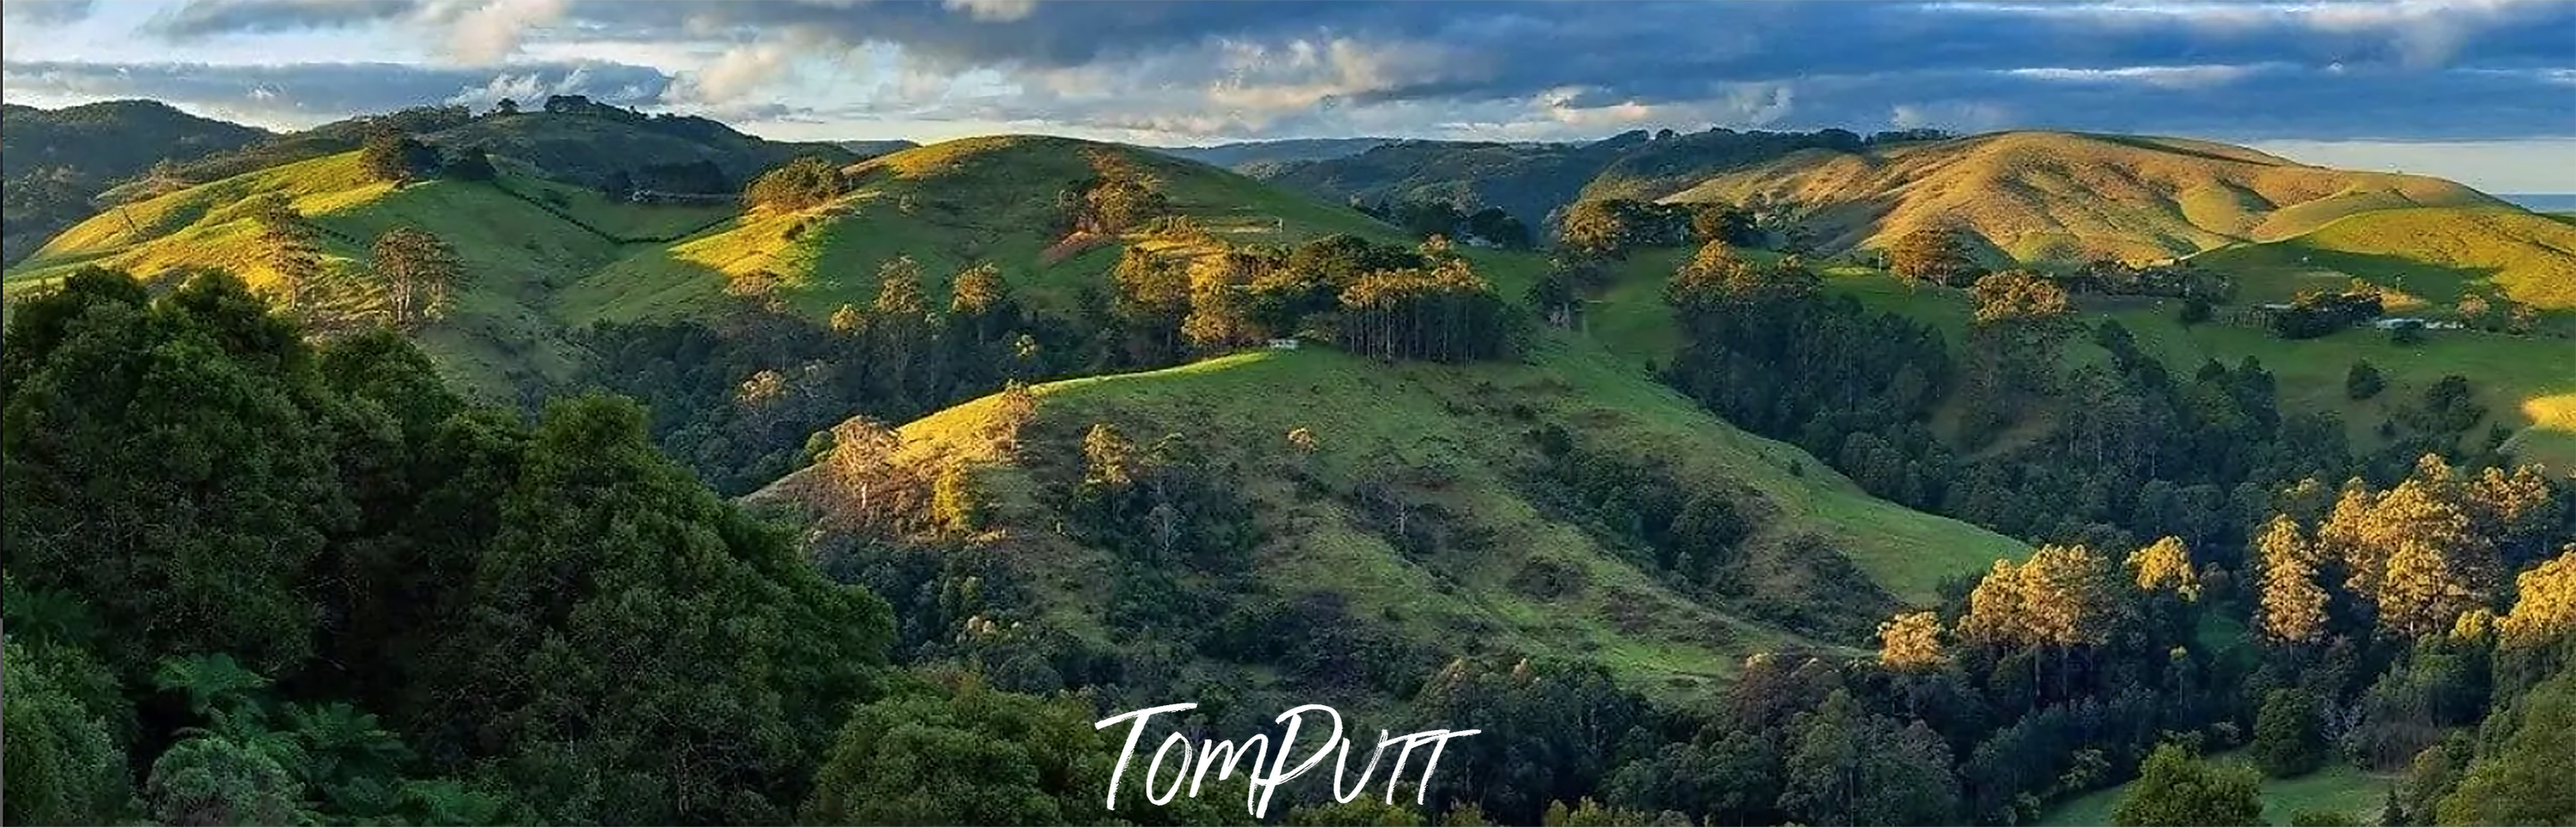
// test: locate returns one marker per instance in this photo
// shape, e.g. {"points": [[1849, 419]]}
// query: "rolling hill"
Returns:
{"points": [[2428, 255], [54, 162], [948, 206], [2066, 197], [515, 253], [1512, 568]]}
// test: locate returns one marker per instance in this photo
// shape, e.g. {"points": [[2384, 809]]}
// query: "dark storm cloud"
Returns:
{"points": [[322, 91], [2423, 69]]}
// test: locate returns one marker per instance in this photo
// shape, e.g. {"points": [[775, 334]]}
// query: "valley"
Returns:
{"points": [[635, 467]]}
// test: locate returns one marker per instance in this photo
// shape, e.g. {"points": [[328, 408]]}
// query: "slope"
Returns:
{"points": [[515, 253], [948, 206], [2522, 380], [53, 162], [2067, 197], [1510, 566], [2430, 255]]}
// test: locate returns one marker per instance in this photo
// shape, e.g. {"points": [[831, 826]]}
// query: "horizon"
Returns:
{"points": [[2299, 151], [2468, 90]]}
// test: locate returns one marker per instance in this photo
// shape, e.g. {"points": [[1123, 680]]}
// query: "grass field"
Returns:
{"points": [[2432, 257], [1450, 440], [2336, 788]]}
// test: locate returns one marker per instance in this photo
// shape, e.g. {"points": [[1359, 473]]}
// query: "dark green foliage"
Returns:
{"points": [[968, 755], [2195, 310], [391, 155], [64, 764], [2524, 757], [2316, 314], [2177, 789], [799, 184], [209, 503], [1848, 767], [212, 779], [610, 559], [2289, 736], [473, 163], [2363, 381], [1548, 735], [191, 435]]}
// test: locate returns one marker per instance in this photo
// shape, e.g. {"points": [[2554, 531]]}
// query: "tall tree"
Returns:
{"points": [[1930, 255], [294, 250], [420, 273], [1911, 641], [2293, 604]]}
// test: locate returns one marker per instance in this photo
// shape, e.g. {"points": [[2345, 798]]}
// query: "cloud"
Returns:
{"points": [[44, 12], [1243, 68], [302, 94]]}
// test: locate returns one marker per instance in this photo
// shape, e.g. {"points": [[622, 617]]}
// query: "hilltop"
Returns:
{"points": [[54, 162], [1533, 180], [581, 142], [1430, 503], [996, 200], [2068, 197]]}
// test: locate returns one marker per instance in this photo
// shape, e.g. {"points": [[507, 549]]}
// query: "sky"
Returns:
{"points": [[2480, 91]]}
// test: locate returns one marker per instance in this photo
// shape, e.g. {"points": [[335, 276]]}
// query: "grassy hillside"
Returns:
{"points": [[2336, 788], [2430, 255], [54, 162], [948, 206], [2054, 196], [1453, 444], [516, 254], [2523, 380]]}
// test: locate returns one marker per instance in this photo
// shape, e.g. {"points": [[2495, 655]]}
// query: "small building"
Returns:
{"points": [[1283, 344]]}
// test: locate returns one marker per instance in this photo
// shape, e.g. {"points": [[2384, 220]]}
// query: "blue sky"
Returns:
{"points": [[2483, 91]]}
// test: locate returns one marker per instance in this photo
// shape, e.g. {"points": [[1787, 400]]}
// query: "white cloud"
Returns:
{"points": [[997, 11], [489, 31]]}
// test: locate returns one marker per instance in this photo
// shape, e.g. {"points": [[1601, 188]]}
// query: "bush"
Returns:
{"points": [[2288, 738], [2363, 381]]}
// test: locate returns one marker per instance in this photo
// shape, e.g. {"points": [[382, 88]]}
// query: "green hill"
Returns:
{"points": [[2428, 255], [2067, 197], [516, 254], [53, 162], [2522, 380], [948, 206], [1510, 567]]}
